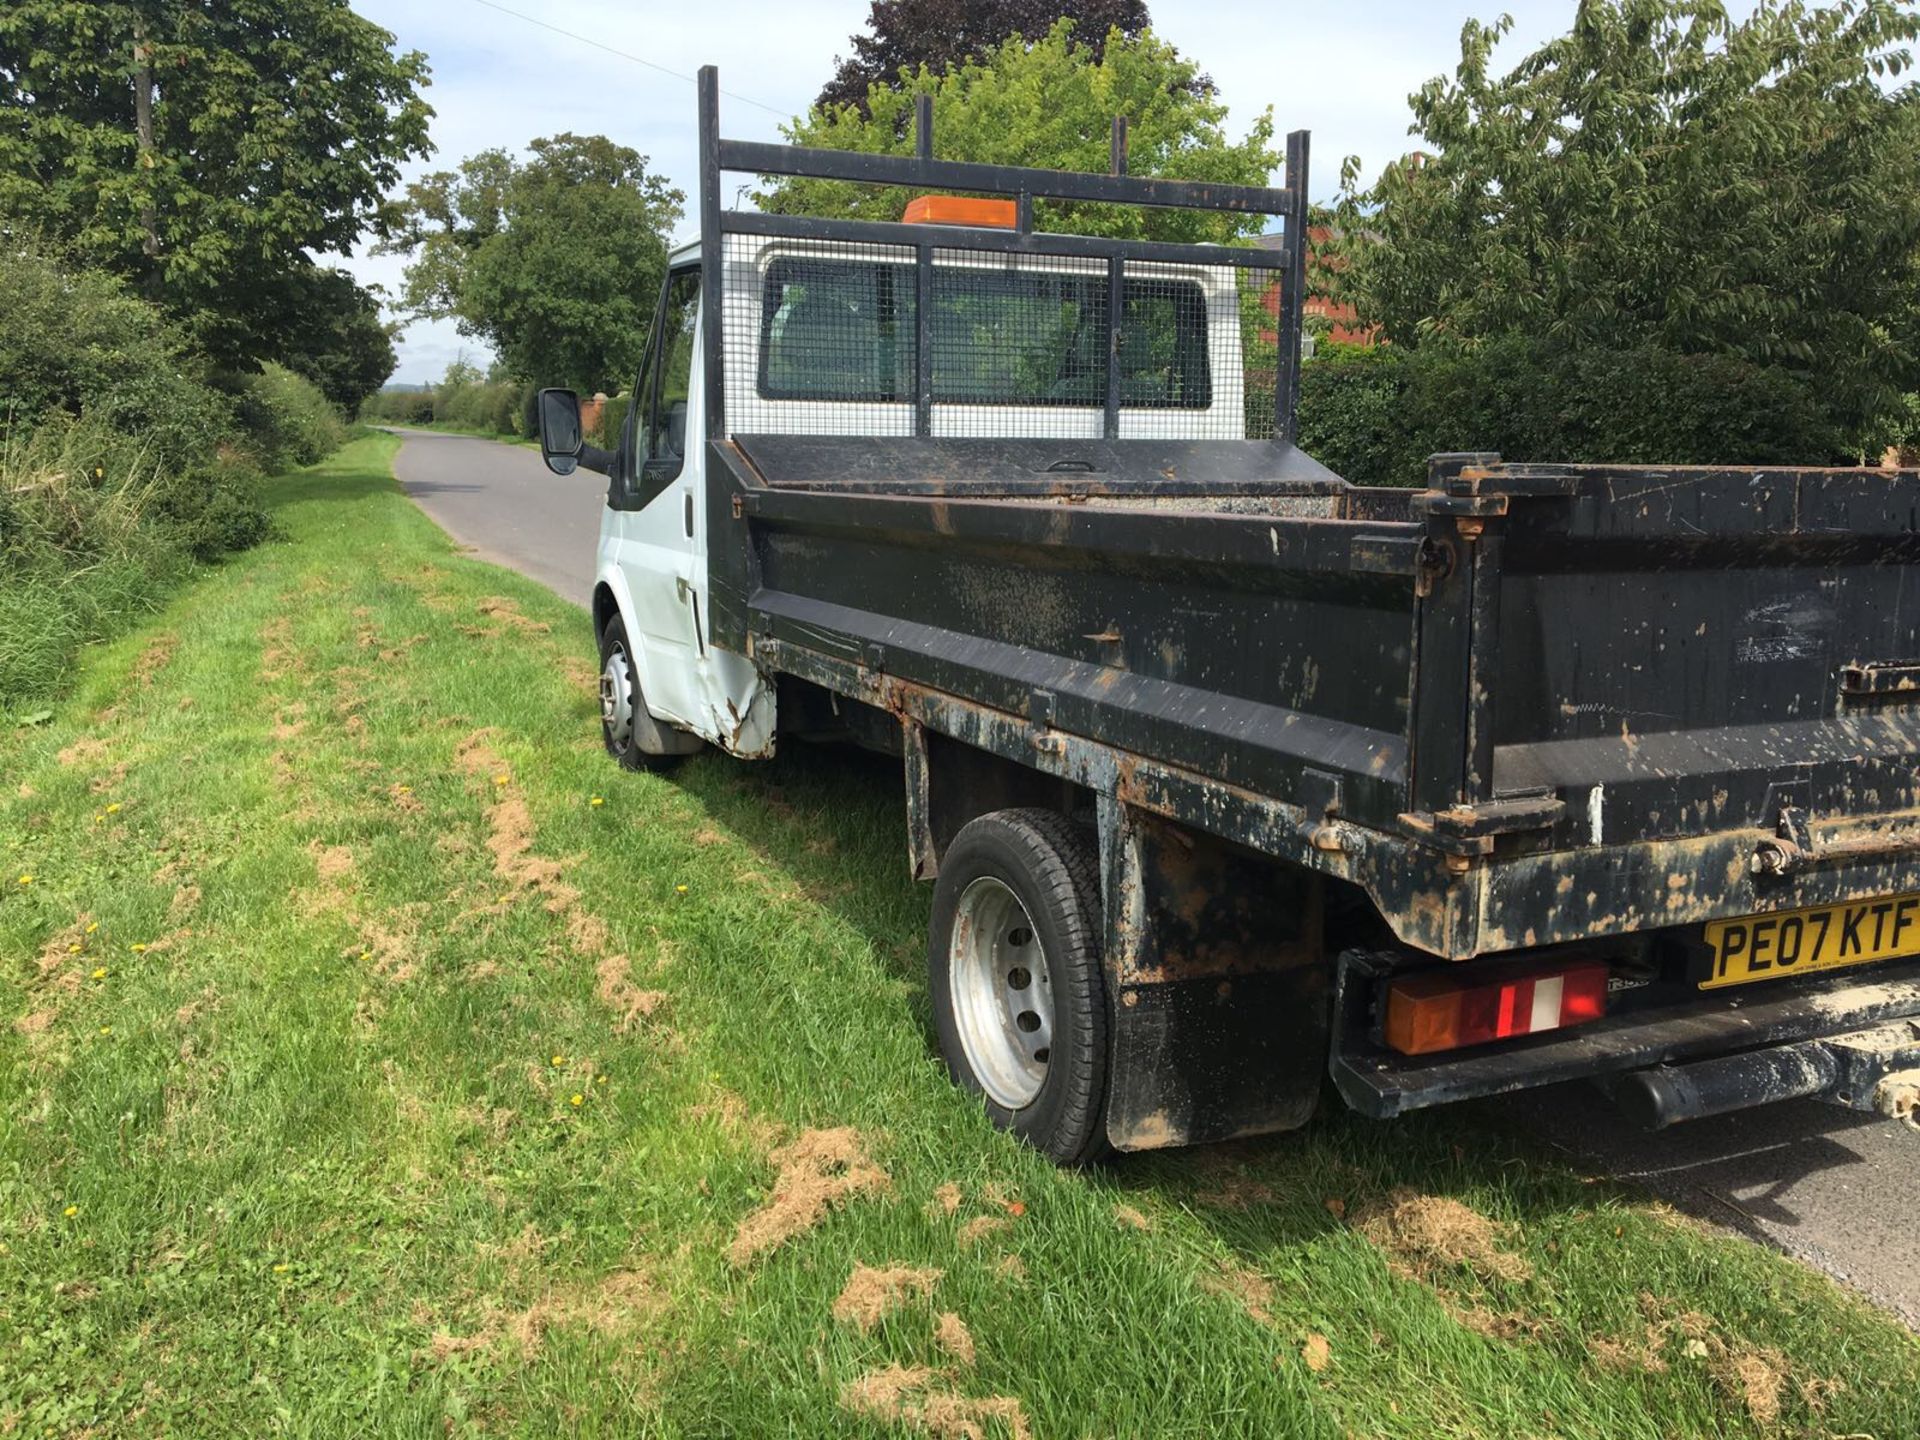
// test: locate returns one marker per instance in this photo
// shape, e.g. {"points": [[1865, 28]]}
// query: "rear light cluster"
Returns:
{"points": [[1443, 1010]]}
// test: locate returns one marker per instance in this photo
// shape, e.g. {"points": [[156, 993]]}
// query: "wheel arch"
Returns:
{"points": [[611, 598], [605, 606]]}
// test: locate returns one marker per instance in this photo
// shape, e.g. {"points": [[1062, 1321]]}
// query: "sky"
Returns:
{"points": [[1343, 71]]}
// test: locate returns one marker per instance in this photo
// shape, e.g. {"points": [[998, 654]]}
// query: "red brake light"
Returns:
{"points": [[1445, 1010]]}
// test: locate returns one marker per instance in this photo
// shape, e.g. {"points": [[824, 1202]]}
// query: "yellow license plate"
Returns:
{"points": [[1802, 942]]}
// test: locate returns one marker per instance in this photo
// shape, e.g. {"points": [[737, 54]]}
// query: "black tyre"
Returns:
{"points": [[633, 737], [1013, 963]]}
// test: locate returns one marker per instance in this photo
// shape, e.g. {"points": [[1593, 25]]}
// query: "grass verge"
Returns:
{"points": [[381, 1061]]}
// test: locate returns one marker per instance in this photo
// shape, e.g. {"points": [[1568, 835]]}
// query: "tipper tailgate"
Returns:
{"points": [[1716, 672]]}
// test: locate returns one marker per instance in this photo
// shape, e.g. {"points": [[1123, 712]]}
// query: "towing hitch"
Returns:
{"points": [[1876, 1069]]}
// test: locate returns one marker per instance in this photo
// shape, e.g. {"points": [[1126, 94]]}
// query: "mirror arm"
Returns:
{"points": [[593, 458]]}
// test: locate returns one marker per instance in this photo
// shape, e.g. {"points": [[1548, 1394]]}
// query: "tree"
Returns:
{"points": [[1664, 176], [554, 261], [1050, 103], [331, 332], [908, 35], [204, 151]]}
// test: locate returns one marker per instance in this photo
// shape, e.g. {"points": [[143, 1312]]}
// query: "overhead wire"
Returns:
{"points": [[625, 55]]}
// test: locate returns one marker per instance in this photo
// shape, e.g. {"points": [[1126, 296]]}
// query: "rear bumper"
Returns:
{"points": [[1381, 1083]]}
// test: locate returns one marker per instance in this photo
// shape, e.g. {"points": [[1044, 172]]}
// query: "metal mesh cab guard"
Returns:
{"points": [[877, 328]]}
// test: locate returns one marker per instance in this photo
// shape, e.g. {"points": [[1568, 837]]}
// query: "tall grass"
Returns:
{"points": [[124, 462]]}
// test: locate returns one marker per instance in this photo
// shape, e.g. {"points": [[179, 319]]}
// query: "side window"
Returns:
{"points": [[656, 433]]}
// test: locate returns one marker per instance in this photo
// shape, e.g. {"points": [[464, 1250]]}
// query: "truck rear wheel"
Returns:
{"points": [[633, 737], [1014, 974]]}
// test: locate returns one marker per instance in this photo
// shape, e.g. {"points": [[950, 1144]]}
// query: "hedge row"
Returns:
{"points": [[1374, 415], [124, 459], [486, 407]]}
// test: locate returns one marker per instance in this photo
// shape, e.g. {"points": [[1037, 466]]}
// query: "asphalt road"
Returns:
{"points": [[1837, 1189], [504, 504]]}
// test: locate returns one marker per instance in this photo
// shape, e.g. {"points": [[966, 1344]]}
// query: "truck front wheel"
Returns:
{"points": [[1013, 961], [634, 737]]}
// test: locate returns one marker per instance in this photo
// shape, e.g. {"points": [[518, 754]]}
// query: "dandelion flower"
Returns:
{"points": [[71, 1211], [100, 973], [138, 948], [106, 1029], [599, 1079], [406, 789], [281, 1269], [73, 949], [596, 802], [114, 809], [679, 889], [500, 779], [26, 879], [578, 1100], [92, 925], [559, 1060]]}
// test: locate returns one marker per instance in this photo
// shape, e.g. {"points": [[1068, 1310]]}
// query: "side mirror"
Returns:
{"points": [[560, 438]]}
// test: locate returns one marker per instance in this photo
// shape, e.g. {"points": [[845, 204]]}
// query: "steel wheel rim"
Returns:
{"points": [[616, 696], [1002, 992]]}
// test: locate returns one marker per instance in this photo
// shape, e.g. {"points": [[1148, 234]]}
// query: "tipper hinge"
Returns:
{"points": [[1470, 829]]}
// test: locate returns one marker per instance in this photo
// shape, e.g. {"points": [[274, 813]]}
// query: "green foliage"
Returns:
{"points": [[398, 407], [276, 129], [1664, 176], [121, 460], [332, 333], [1375, 415], [75, 342], [463, 400], [1050, 103], [613, 419], [555, 261], [288, 421]]}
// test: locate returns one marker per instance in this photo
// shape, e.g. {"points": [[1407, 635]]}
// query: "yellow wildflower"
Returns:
{"points": [[500, 779], [26, 879], [596, 802], [73, 949], [559, 1060], [114, 809], [71, 1211], [138, 948], [599, 1079], [680, 889], [100, 973], [106, 1029], [578, 1100], [92, 925], [281, 1269]]}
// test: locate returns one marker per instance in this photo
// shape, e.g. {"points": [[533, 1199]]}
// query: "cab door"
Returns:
{"points": [[654, 540], [648, 536]]}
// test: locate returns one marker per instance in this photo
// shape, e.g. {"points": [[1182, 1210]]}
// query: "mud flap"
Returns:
{"points": [[1216, 985]]}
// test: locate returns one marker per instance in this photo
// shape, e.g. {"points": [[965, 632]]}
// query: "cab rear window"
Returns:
{"points": [[843, 330]]}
